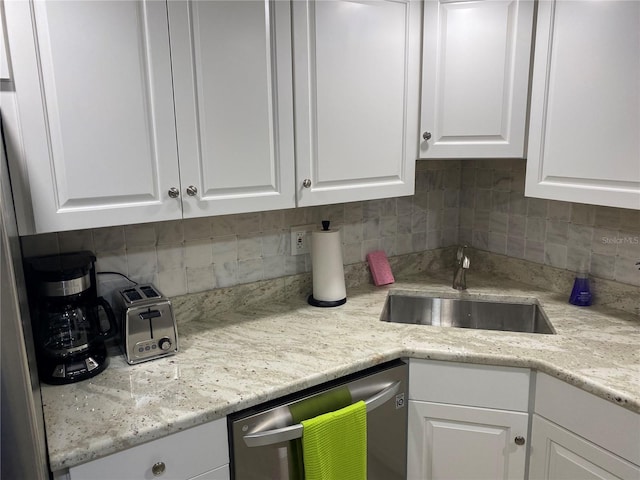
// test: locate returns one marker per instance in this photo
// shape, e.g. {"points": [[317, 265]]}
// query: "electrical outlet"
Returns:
{"points": [[300, 239]]}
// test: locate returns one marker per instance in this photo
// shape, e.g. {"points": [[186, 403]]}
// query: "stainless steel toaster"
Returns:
{"points": [[147, 325]]}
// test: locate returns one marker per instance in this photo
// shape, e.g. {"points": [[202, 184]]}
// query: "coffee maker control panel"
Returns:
{"points": [[147, 324]]}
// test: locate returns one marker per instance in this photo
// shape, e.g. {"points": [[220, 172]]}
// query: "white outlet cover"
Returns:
{"points": [[303, 233]]}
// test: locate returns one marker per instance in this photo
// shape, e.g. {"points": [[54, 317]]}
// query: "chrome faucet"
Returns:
{"points": [[460, 273]]}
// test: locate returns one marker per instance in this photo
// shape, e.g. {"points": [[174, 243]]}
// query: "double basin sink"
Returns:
{"points": [[519, 315]]}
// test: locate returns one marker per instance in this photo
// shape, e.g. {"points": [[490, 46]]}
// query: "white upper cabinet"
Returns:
{"points": [[475, 76], [356, 83], [584, 141], [234, 105], [95, 101], [139, 111]]}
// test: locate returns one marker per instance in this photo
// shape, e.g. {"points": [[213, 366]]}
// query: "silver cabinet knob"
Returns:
{"points": [[306, 183], [426, 135], [174, 192], [192, 191], [158, 469], [519, 440]]}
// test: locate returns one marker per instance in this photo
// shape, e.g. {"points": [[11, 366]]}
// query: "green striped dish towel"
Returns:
{"points": [[334, 444]]}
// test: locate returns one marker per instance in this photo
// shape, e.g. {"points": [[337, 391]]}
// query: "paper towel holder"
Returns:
{"points": [[326, 303]]}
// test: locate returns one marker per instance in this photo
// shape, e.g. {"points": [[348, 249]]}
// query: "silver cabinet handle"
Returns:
{"points": [[174, 192], [519, 440], [306, 183], [426, 135], [158, 469], [192, 191], [277, 435]]}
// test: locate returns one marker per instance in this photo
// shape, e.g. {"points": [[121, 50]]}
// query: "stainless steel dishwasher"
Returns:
{"points": [[265, 440]]}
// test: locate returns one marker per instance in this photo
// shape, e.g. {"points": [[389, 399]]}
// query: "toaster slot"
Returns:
{"points": [[149, 292], [132, 295]]}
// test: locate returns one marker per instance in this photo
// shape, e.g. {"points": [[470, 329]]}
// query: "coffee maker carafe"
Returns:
{"points": [[65, 312]]}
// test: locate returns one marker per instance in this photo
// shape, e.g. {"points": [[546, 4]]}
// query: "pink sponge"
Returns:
{"points": [[380, 269]]}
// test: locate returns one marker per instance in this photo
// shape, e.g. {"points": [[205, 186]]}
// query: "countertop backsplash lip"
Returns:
{"points": [[438, 262], [621, 296], [248, 344]]}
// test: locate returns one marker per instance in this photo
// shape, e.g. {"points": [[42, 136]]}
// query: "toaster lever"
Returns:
{"points": [[149, 314]]}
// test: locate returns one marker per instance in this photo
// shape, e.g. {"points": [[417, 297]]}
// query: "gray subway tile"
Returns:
{"points": [[534, 251], [75, 241], [250, 270], [607, 217], [603, 265], [497, 243], [626, 270], [560, 211], [536, 229], [197, 229], [200, 279], [579, 236], [582, 214], [555, 255], [536, 207], [556, 232], [142, 235]]}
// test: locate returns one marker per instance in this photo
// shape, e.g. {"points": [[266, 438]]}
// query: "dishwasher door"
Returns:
{"points": [[265, 440]]}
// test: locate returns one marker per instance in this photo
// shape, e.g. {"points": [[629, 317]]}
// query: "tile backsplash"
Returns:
{"points": [[497, 217], [194, 255], [478, 202]]}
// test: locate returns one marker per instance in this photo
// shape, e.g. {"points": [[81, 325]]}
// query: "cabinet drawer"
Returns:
{"points": [[506, 388], [185, 455]]}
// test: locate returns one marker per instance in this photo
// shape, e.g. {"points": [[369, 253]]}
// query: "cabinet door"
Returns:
{"points": [[234, 104], [475, 76], [356, 77], [585, 104], [452, 441], [558, 454], [93, 88]]}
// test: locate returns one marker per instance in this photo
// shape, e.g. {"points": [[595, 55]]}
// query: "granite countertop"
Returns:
{"points": [[231, 360]]}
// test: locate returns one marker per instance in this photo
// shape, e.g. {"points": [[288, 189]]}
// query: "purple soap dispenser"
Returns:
{"points": [[581, 292]]}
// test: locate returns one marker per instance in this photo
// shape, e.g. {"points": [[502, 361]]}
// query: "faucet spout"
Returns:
{"points": [[460, 273]]}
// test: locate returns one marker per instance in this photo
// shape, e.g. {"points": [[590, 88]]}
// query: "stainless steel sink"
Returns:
{"points": [[453, 312]]}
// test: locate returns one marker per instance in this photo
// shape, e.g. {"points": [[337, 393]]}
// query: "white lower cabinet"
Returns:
{"points": [[560, 454], [467, 421], [576, 435], [199, 453]]}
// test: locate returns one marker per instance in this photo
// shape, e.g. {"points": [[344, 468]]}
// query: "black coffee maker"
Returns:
{"points": [[69, 331]]}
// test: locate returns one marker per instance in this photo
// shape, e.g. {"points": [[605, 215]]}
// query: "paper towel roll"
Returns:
{"points": [[327, 269]]}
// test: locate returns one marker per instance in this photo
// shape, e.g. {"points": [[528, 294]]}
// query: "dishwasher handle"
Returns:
{"points": [[277, 435]]}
